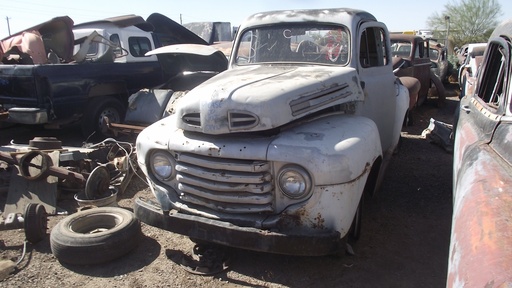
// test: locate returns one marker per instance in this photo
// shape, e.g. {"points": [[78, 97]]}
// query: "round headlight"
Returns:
{"points": [[294, 181], [162, 165]]}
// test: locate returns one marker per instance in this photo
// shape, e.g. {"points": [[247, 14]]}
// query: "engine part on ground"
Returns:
{"points": [[439, 133], [34, 221], [32, 171], [22, 191], [45, 143], [108, 199], [97, 184], [100, 172], [205, 259], [95, 235]]}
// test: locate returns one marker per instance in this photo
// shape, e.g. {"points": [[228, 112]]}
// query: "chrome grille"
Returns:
{"points": [[228, 185]]}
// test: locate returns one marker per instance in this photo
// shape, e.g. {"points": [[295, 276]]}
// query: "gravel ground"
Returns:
{"points": [[405, 241]]}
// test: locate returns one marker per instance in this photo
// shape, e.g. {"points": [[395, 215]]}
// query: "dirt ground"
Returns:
{"points": [[405, 240]]}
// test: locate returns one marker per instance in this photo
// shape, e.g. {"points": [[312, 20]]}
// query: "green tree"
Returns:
{"points": [[468, 21]]}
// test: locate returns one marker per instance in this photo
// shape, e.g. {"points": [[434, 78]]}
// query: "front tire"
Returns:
{"points": [[437, 89], [96, 235], [355, 229]]}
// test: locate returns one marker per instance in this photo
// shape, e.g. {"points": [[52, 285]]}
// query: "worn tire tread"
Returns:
{"points": [[83, 249]]}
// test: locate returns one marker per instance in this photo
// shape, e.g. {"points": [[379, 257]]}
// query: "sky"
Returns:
{"points": [[398, 15]]}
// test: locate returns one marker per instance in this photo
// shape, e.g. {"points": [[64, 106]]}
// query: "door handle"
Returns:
{"points": [[465, 108]]}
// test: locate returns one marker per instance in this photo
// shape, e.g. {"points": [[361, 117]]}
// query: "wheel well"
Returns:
{"points": [[371, 183], [122, 98], [110, 88]]}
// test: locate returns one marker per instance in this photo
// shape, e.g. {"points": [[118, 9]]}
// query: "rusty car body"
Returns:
{"points": [[411, 57], [481, 237], [96, 66], [439, 60]]}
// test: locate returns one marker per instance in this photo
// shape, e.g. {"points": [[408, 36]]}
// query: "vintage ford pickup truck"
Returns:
{"points": [[275, 153]]}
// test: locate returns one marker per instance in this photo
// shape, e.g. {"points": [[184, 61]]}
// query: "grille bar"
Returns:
{"points": [[224, 164], [222, 184], [248, 198], [226, 207], [224, 187]]}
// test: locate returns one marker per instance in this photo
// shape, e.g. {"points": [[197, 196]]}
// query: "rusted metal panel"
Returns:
{"points": [[23, 191], [481, 244], [481, 238], [412, 50]]}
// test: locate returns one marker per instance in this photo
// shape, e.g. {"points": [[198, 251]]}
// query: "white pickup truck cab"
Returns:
{"points": [[275, 153]]}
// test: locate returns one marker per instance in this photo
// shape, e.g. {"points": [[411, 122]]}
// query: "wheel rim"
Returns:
{"points": [[36, 222], [94, 224], [112, 114]]}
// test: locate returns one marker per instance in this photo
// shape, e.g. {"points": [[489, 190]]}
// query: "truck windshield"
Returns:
{"points": [[285, 43]]}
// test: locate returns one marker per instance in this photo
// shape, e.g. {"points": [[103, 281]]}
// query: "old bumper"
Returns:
{"points": [[28, 115], [312, 244]]}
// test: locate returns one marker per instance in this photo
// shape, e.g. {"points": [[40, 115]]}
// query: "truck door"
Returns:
{"points": [[377, 78], [481, 113]]}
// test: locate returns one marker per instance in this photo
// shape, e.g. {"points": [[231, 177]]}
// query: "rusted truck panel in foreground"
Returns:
{"points": [[481, 240]]}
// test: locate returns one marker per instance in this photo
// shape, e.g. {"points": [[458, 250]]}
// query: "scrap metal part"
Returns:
{"points": [[205, 259], [34, 221], [42, 170]]}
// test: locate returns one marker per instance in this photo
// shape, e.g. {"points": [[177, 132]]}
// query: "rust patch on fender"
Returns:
{"points": [[481, 230]]}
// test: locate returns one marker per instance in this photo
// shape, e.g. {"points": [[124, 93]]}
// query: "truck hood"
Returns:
{"points": [[257, 98]]}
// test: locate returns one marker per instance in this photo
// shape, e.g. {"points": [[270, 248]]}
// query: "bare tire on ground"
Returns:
{"points": [[97, 109], [96, 235]]}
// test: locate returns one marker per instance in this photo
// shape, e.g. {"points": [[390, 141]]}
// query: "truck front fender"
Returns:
{"points": [[335, 149]]}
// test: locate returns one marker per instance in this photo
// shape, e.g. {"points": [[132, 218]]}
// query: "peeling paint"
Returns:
{"points": [[480, 247]]}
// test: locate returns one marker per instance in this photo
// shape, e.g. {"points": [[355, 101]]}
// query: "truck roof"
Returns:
{"points": [[503, 29], [405, 37], [120, 21], [330, 15]]}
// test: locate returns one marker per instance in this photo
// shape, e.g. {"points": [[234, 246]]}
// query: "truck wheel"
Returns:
{"points": [[437, 89], [355, 228], [96, 235], [96, 110]]}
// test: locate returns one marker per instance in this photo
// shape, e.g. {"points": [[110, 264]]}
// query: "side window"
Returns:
{"points": [[139, 46], [419, 51], [492, 83], [372, 51], [425, 51], [115, 39]]}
